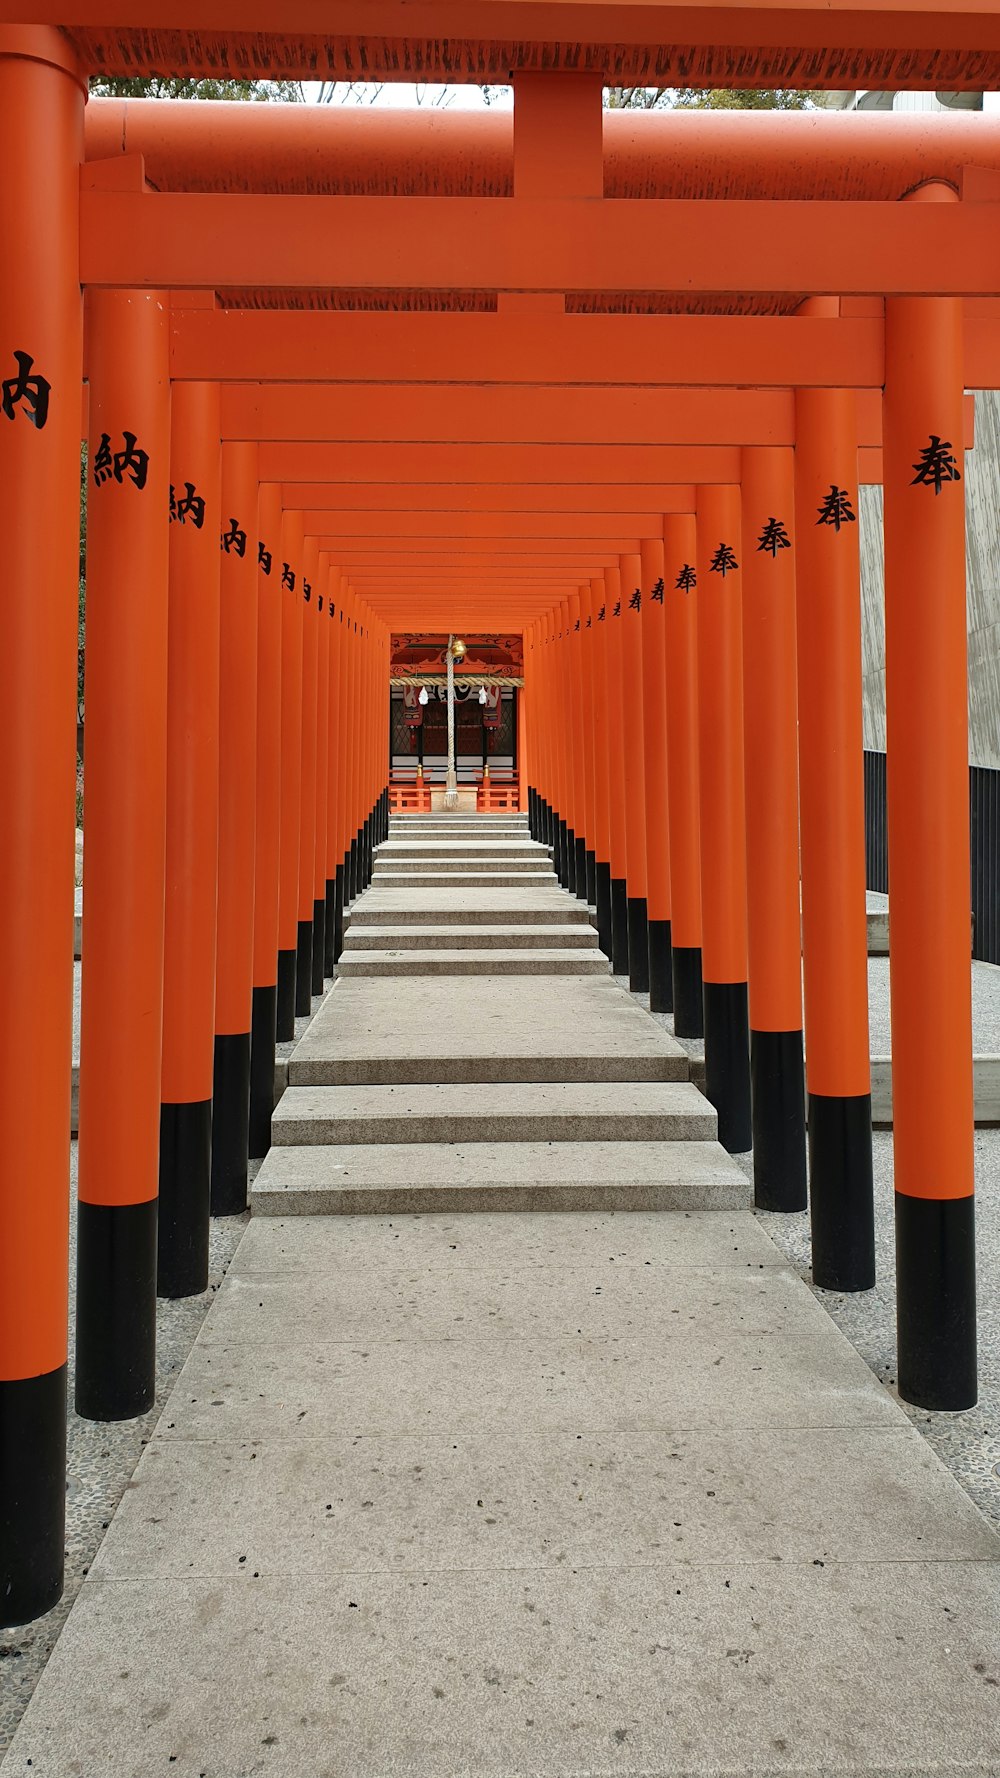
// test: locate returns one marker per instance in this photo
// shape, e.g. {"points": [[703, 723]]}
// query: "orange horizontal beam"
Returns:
{"points": [[251, 345], [215, 241], [654, 465], [494, 414], [585, 562], [650, 466], [477, 502], [429, 530]]}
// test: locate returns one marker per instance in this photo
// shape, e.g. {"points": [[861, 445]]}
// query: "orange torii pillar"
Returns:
{"points": [[41, 132], [654, 718], [927, 765], [574, 659], [770, 744], [350, 743], [322, 597], [609, 614], [633, 747], [722, 813], [680, 573], [263, 1030], [307, 811], [536, 690], [832, 830], [328, 744], [602, 780], [338, 732], [557, 702], [128, 484], [192, 841], [589, 749], [237, 823], [290, 557]]}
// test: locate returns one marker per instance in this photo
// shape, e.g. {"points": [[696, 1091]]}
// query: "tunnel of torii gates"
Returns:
{"points": [[608, 381]]}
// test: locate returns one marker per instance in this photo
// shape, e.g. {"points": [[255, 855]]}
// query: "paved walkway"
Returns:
{"points": [[517, 1491]]}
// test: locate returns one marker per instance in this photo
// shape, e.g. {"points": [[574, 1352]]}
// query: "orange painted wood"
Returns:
{"points": [[207, 241], [831, 783], [540, 414]]}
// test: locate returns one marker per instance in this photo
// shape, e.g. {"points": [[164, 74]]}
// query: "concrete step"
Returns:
{"points": [[478, 877], [558, 1111], [475, 849], [480, 860], [483, 937], [418, 1178], [383, 1031], [450, 907], [473, 962], [477, 824]]}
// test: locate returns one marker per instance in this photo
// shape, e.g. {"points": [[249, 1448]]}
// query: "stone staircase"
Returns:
{"points": [[437, 1075]]}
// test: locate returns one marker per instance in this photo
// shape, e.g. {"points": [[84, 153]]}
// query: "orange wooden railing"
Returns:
{"points": [[409, 796]]}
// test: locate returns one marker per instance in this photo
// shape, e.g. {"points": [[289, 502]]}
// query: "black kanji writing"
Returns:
{"points": [[234, 539], [657, 593], [288, 577], [635, 603], [836, 509], [686, 579], [723, 562], [576, 626], [264, 559], [774, 537], [307, 591], [938, 464], [618, 609], [601, 614], [26, 391], [319, 602], [589, 622], [132, 461], [189, 506]]}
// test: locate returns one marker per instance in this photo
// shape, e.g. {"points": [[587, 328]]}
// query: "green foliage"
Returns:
{"points": [[705, 98], [158, 86]]}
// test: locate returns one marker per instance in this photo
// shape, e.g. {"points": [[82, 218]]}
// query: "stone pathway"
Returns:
{"points": [[461, 1486]]}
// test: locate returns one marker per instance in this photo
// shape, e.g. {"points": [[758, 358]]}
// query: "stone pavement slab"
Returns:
{"points": [[420, 906], [551, 935], [503, 1029], [706, 1544]]}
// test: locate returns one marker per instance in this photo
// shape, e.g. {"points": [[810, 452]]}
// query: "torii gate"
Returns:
{"points": [[697, 407]]}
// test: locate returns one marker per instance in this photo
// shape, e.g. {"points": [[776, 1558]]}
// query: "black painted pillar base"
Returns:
{"points": [[319, 943], [287, 966], [185, 1186], [531, 814], [263, 1030], [727, 1062], [777, 1093], [116, 1310], [581, 868], [32, 1495], [230, 1123], [638, 945], [561, 849], [689, 999], [353, 874], [570, 883], [591, 875], [338, 914], [661, 968], [936, 1301], [602, 902], [841, 1193], [619, 926], [303, 970], [329, 926]]}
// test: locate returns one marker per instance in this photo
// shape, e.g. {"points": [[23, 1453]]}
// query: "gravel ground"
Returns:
{"points": [[101, 1458]]}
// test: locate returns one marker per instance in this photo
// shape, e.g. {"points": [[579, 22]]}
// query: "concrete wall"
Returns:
{"points": [[982, 500]]}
